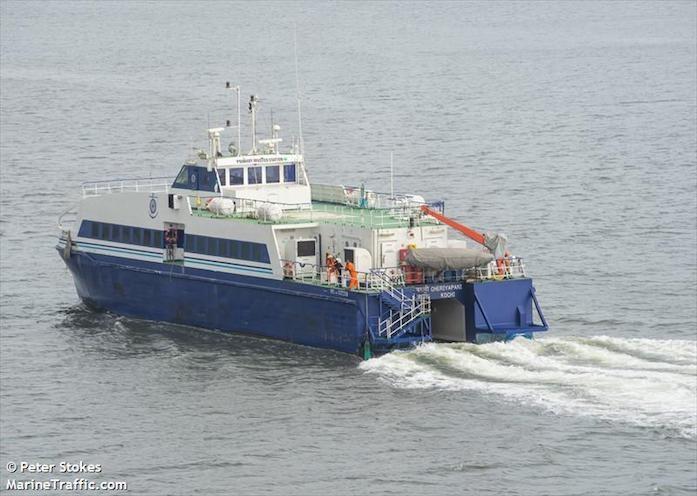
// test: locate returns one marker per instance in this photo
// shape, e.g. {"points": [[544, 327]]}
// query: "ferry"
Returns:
{"points": [[243, 242]]}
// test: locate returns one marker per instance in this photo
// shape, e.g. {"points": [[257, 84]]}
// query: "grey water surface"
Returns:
{"points": [[569, 126]]}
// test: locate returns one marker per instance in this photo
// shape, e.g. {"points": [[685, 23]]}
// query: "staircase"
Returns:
{"points": [[405, 309]]}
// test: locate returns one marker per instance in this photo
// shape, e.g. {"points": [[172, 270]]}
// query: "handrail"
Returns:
{"points": [[390, 326], [153, 184], [383, 276], [512, 268], [318, 274], [69, 216], [120, 179], [392, 279]]}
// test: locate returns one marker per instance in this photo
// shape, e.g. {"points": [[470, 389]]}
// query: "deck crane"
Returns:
{"points": [[495, 243]]}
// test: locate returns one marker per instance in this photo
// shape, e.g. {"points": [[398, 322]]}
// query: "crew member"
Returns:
{"points": [[339, 271], [330, 268], [170, 242], [351, 268]]}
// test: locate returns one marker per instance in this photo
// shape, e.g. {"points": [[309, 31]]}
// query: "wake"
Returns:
{"points": [[646, 382]]}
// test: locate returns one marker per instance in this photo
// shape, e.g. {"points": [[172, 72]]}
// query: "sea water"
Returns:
{"points": [[568, 126]]}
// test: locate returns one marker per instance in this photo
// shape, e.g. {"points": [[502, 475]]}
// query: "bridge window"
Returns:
{"points": [[236, 176], [207, 181], [289, 173], [196, 178], [182, 180], [254, 175], [221, 177], [273, 174]]}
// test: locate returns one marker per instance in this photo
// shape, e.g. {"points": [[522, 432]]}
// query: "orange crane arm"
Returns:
{"points": [[470, 233]]}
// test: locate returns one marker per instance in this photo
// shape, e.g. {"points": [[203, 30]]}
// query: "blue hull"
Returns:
{"points": [[293, 312], [290, 311]]}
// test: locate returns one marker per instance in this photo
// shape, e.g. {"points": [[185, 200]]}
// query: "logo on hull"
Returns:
{"points": [[152, 207]]}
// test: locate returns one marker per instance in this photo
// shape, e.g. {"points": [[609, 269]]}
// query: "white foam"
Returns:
{"points": [[646, 382]]}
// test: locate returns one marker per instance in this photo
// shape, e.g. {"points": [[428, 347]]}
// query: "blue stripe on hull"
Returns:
{"points": [[283, 310]]}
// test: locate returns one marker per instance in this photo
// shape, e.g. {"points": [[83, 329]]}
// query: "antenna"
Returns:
{"points": [[392, 175], [301, 142], [253, 100], [239, 124]]}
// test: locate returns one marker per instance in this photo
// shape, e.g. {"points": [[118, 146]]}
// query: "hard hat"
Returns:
{"points": [[338, 259]]}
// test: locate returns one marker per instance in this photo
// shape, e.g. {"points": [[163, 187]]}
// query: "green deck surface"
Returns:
{"points": [[331, 213]]}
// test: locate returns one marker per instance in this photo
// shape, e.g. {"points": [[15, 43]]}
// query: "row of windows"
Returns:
{"points": [[121, 234], [205, 245], [255, 175], [227, 248]]}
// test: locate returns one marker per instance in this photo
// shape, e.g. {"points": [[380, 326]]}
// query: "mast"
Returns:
{"points": [[301, 142], [239, 119], [392, 175], [253, 101]]}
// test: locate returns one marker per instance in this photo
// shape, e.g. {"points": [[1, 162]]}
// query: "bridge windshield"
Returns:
{"points": [[196, 178]]}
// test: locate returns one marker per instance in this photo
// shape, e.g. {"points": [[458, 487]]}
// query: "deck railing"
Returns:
{"points": [[391, 279], [150, 185]]}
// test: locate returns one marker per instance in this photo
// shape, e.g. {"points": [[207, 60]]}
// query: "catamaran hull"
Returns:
{"points": [[228, 303], [300, 313]]}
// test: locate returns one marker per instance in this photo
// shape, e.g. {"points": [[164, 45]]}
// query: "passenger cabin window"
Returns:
{"points": [[289, 173], [118, 233], [236, 176], [273, 174], [154, 238], [254, 175]]}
